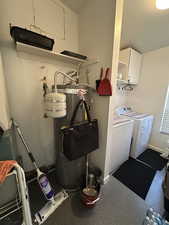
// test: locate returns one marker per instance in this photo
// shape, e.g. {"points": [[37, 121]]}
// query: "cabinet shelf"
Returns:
{"points": [[122, 81], [20, 47], [122, 63]]}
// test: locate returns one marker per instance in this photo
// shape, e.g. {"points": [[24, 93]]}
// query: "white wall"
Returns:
{"points": [[149, 95], [114, 99], [23, 72], [97, 30], [96, 26], [4, 109]]}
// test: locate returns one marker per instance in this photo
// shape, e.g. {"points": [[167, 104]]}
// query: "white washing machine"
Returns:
{"points": [[142, 129], [119, 146]]}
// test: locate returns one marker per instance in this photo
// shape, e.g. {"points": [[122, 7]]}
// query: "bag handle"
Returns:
{"points": [[108, 75], [76, 110]]}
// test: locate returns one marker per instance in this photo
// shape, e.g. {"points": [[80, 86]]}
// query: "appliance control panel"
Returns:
{"points": [[123, 110]]}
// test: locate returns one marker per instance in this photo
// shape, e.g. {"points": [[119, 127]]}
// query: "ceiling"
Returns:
{"points": [[145, 28], [75, 5]]}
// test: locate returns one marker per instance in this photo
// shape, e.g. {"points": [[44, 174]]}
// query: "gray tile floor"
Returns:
{"points": [[155, 195]]}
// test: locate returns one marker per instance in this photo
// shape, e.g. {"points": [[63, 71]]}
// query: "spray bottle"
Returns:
{"points": [[45, 185]]}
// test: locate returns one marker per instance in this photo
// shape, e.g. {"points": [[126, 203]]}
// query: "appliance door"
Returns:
{"points": [[121, 141], [141, 136]]}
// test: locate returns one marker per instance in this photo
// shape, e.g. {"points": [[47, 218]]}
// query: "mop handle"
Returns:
{"points": [[24, 143], [87, 170]]}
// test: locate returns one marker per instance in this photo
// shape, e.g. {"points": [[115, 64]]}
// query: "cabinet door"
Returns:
{"points": [[125, 56], [124, 59], [50, 17], [132, 60], [134, 67]]}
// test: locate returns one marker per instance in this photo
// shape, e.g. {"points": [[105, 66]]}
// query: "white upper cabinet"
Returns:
{"points": [[129, 65], [50, 17]]}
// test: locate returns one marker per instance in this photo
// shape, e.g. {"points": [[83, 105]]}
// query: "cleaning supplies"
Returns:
{"points": [[45, 185], [105, 88], [41, 177], [89, 194], [54, 201], [42, 215]]}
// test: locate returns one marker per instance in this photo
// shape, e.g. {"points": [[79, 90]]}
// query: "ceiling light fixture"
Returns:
{"points": [[162, 4]]}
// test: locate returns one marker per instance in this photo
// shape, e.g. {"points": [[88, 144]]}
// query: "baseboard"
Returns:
{"points": [[106, 179], [157, 149]]}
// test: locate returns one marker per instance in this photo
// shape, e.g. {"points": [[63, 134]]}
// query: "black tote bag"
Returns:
{"points": [[80, 138]]}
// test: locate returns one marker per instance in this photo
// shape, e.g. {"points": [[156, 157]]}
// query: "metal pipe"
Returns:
{"points": [[25, 144], [27, 219], [63, 74], [87, 170]]}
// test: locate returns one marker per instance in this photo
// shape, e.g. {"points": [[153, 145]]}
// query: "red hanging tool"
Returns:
{"points": [[105, 88], [98, 81]]}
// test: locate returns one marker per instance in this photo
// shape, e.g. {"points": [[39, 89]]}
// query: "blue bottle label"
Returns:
{"points": [[45, 185]]}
